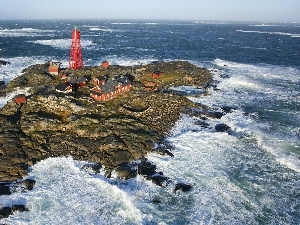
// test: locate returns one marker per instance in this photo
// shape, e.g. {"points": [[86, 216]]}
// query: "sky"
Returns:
{"points": [[220, 10]]}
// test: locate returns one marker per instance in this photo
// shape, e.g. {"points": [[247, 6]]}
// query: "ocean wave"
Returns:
{"points": [[65, 194], [267, 90], [101, 29], [62, 43], [122, 23], [265, 25], [31, 32], [17, 64], [269, 32]]}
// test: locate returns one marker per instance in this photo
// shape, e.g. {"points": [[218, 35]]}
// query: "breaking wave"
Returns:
{"points": [[62, 43]]}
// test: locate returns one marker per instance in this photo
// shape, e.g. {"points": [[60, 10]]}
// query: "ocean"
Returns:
{"points": [[248, 176]]}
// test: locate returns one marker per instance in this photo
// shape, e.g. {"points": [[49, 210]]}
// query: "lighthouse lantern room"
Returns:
{"points": [[75, 61]]}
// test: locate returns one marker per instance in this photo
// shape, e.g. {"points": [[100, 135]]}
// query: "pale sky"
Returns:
{"points": [[224, 10]]}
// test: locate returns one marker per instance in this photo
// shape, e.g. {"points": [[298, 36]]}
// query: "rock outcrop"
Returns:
{"points": [[110, 133]]}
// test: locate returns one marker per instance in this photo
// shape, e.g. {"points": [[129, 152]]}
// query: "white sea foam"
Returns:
{"points": [[31, 32], [266, 25], [200, 160], [269, 32], [102, 29], [17, 64], [62, 43], [123, 23], [268, 72], [64, 194], [250, 84]]}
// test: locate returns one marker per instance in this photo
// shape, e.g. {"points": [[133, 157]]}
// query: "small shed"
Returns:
{"points": [[149, 85], [54, 68], [20, 99], [105, 64], [156, 74], [64, 87]]}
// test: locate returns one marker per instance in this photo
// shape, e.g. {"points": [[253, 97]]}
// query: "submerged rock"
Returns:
{"points": [[182, 187], [222, 127], [3, 63], [159, 179], [92, 167], [6, 211], [126, 171], [5, 188]]}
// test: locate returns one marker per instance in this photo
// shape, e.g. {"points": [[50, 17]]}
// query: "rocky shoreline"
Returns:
{"points": [[115, 135]]}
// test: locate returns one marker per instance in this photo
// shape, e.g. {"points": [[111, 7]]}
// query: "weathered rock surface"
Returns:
{"points": [[111, 133]]}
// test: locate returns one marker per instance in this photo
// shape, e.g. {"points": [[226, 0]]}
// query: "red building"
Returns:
{"points": [[54, 68], [105, 64], [20, 99], [156, 74], [111, 88]]}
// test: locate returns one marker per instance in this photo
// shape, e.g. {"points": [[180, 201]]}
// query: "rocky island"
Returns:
{"points": [[113, 133]]}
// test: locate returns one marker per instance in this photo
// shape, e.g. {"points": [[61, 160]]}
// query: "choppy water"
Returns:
{"points": [[248, 177]]}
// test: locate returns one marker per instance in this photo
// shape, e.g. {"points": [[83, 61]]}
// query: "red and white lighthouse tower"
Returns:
{"points": [[75, 61]]}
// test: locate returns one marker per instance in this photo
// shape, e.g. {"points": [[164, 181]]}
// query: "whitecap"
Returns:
{"points": [[31, 32], [62, 43], [101, 29], [17, 64], [269, 32]]}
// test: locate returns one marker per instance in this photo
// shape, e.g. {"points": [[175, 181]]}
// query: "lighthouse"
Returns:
{"points": [[75, 61]]}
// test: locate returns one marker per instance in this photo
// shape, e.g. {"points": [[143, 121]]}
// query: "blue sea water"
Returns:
{"points": [[251, 176]]}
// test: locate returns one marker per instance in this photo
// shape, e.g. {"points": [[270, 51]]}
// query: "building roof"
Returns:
{"points": [[109, 86], [123, 79], [62, 87]]}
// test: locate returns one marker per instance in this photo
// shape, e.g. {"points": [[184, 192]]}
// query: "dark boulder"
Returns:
{"points": [[20, 208], [2, 83], [169, 153], [3, 63], [163, 151], [182, 187], [29, 184], [126, 171], [92, 167], [146, 168], [215, 114], [159, 179], [201, 123], [5, 188], [227, 109], [224, 76], [156, 199], [222, 127], [5, 212]]}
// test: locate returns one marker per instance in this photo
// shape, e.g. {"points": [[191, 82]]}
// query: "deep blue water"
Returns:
{"points": [[249, 177]]}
